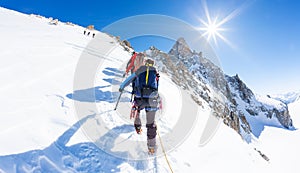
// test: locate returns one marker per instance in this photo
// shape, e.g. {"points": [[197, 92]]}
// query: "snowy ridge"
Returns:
{"points": [[229, 97], [270, 102], [41, 132], [288, 97]]}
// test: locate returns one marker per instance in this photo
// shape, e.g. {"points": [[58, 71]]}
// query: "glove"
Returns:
{"points": [[133, 112]]}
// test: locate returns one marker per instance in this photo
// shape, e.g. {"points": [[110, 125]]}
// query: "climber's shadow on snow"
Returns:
{"points": [[112, 81], [81, 157], [107, 141], [95, 95], [113, 72]]}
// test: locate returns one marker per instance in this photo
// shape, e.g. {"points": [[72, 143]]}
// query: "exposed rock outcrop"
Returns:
{"points": [[228, 97]]}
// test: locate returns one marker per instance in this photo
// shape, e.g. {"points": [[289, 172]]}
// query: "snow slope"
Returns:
{"points": [[288, 97], [41, 131], [283, 146], [38, 62]]}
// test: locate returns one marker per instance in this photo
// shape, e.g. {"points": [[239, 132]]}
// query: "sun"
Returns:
{"points": [[212, 29], [212, 26]]}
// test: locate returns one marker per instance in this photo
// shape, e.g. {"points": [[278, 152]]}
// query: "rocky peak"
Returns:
{"points": [[238, 85], [228, 97], [255, 106], [180, 49]]}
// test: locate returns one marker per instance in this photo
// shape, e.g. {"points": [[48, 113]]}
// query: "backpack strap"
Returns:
{"points": [[147, 72], [147, 75]]}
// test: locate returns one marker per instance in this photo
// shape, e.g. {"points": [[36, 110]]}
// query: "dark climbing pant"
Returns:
{"points": [[150, 106], [151, 127]]}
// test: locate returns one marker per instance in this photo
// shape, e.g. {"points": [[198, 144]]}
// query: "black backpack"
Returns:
{"points": [[146, 82]]}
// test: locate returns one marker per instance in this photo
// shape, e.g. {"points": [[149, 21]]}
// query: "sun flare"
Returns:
{"points": [[212, 29], [212, 26]]}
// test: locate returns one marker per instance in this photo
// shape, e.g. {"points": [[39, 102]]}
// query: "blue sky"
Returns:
{"points": [[264, 35]]}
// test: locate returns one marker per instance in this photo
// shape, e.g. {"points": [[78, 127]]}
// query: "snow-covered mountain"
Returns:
{"points": [[41, 129], [228, 96], [287, 98]]}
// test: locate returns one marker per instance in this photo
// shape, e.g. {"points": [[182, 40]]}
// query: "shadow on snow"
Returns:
{"points": [[81, 157], [96, 94], [257, 126], [113, 72]]}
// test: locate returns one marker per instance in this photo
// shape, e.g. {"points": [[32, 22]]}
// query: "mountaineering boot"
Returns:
{"points": [[151, 150]]}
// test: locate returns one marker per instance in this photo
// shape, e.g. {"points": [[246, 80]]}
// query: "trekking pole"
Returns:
{"points": [[131, 97], [118, 100], [120, 93]]}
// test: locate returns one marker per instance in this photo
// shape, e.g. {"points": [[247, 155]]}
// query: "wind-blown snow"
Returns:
{"points": [[40, 131]]}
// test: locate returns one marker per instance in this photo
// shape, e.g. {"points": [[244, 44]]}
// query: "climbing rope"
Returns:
{"points": [[164, 151]]}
